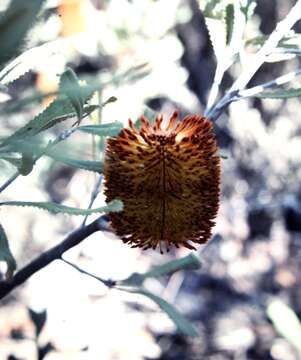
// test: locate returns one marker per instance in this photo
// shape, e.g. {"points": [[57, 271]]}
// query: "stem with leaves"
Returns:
{"points": [[254, 63], [55, 253]]}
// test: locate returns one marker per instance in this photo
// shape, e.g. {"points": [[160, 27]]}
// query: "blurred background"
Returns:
{"points": [[246, 299]]}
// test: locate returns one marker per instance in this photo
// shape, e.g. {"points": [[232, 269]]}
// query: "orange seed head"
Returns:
{"points": [[168, 179]]}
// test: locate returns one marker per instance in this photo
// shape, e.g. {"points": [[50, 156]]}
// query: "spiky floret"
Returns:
{"points": [[168, 179]]}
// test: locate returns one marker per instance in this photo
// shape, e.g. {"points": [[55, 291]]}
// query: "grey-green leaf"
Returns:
{"points": [[14, 25], [189, 262], [113, 206], [229, 18], [89, 165], [59, 110], [280, 94], [6, 255], [70, 86], [27, 164], [183, 325], [111, 129]]}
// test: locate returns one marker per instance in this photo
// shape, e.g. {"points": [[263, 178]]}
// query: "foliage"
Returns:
{"points": [[226, 21], [27, 145]]}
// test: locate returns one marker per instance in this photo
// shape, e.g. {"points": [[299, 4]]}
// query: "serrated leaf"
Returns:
{"points": [[111, 129], [285, 322], [217, 34], [113, 206], [14, 25], [30, 60], [280, 94], [15, 105], [229, 19], [189, 262], [6, 255], [59, 110], [183, 325], [69, 85]]}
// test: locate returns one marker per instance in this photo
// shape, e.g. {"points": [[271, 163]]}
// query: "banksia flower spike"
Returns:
{"points": [[168, 178]]}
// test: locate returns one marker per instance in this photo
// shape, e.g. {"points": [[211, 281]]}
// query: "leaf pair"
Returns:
{"points": [[133, 284]]}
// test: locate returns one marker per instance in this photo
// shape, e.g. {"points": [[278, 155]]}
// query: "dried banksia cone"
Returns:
{"points": [[168, 178]]}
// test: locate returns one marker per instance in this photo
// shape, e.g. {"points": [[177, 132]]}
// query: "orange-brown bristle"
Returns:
{"points": [[168, 179]]}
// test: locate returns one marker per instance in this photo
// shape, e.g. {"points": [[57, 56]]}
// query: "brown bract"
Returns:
{"points": [[168, 178]]}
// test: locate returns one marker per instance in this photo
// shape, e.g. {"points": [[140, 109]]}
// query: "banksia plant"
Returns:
{"points": [[168, 178]]}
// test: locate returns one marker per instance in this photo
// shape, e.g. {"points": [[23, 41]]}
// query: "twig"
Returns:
{"points": [[108, 283], [52, 254], [93, 196], [9, 181], [215, 112]]}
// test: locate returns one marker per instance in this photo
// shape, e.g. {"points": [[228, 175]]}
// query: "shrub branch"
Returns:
{"points": [[55, 253], [255, 62]]}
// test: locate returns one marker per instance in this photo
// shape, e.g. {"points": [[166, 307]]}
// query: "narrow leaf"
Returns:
{"points": [[6, 255], [70, 86], [89, 165], [189, 262], [183, 325], [111, 129], [229, 22], [113, 206], [217, 34], [29, 60], [59, 110], [280, 94]]}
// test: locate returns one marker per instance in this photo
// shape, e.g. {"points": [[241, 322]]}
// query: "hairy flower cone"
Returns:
{"points": [[168, 179]]}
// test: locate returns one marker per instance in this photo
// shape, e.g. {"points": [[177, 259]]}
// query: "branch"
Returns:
{"points": [[217, 110], [52, 254], [259, 58], [93, 197], [9, 181], [255, 62]]}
